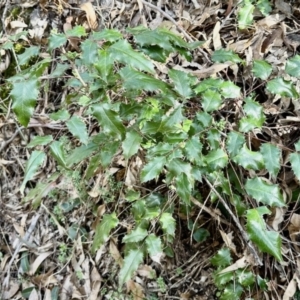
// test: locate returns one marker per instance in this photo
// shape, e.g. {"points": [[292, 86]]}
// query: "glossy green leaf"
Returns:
{"points": [[245, 277], [40, 141], [130, 265], [184, 188], [108, 119], [104, 64], [123, 52], [177, 166], [264, 192], [223, 55], [234, 142], [181, 82], [193, 150], [57, 151], [89, 52], [154, 247], [136, 235], [206, 84], [211, 100], [267, 241], [167, 223], [261, 69], [232, 291], [24, 95], [35, 161], [61, 115], [59, 70], [295, 163], [292, 66], [245, 14], [247, 124], [28, 54], [110, 35], [200, 235], [282, 87], [153, 168], [222, 258], [77, 31], [78, 129], [250, 160], [264, 6], [230, 90], [81, 153], [103, 229], [56, 40], [271, 155], [216, 159], [131, 144], [135, 80]]}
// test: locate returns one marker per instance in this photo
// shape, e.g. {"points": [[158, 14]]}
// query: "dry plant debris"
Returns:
{"points": [[45, 253]]}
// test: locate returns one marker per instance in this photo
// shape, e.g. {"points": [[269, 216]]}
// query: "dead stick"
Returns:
{"points": [[236, 221]]}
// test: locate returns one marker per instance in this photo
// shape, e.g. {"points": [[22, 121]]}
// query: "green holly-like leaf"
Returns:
{"points": [[295, 163], [193, 149], [234, 142], [230, 90], [57, 151], [181, 82], [103, 229], [147, 37], [108, 119], [24, 94], [223, 55], [104, 64], [78, 129], [254, 115], [168, 224], [27, 54], [266, 241], [154, 247], [81, 153], [271, 155], [123, 52], [60, 115], [135, 80], [184, 188], [136, 235], [222, 258], [292, 66], [216, 159], [250, 160], [245, 277], [89, 52], [153, 168], [264, 6], [282, 87], [206, 84], [34, 162], [77, 31], [232, 291], [131, 144], [245, 15], [110, 35], [56, 40], [130, 265], [261, 69], [40, 141], [211, 100], [297, 146], [177, 166], [264, 192]]}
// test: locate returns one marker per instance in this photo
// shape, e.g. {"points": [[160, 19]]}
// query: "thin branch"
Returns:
{"points": [[236, 221]]}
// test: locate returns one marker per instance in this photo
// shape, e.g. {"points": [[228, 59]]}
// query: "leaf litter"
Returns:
{"points": [[48, 249]]}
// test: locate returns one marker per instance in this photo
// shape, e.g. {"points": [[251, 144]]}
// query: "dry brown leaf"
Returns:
{"points": [[136, 290], [216, 36], [115, 252], [90, 14], [38, 261], [239, 264], [95, 284], [228, 240], [34, 295], [13, 289], [290, 289]]}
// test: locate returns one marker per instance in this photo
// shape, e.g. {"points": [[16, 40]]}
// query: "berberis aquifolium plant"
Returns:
{"points": [[120, 104]]}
